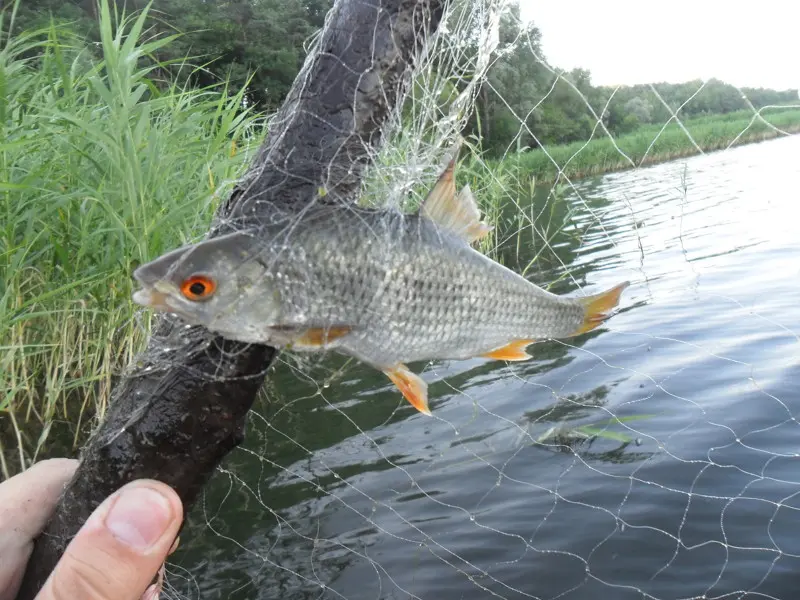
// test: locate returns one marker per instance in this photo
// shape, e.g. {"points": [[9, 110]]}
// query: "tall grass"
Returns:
{"points": [[653, 143], [101, 167]]}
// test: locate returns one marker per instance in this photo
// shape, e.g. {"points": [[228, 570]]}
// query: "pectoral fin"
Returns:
{"points": [[307, 338], [412, 386], [513, 351]]}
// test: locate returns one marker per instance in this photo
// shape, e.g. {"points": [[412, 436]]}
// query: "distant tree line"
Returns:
{"points": [[527, 103], [524, 103], [239, 40]]}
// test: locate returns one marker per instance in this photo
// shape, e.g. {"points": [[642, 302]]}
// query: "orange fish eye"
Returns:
{"points": [[198, 287]]}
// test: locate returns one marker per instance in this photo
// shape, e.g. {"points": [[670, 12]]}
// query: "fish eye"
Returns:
{"points": [[198, 287]]}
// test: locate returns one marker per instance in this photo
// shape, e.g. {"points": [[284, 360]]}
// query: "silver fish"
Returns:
{"points": [[384, 287]]}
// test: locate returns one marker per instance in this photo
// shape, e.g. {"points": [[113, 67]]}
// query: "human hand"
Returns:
{"points": [[116, 553]]}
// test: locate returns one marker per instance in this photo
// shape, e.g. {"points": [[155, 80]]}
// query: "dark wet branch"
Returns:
{"points": [[184, 406]]}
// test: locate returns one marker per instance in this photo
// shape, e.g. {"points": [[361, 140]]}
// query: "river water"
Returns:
{"points": [[690, 490]]}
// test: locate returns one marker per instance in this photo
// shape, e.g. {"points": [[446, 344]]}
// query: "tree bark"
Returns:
{"points": [[184, 405]]}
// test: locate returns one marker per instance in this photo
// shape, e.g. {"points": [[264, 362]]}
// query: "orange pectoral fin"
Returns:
{"points": [[513, 351], [316, 337], [412, 386]]}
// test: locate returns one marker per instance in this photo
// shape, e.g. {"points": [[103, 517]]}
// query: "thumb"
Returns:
{"points": [[121, 547]]}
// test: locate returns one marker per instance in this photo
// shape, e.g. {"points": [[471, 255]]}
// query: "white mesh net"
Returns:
{"points": [[651, 459]]}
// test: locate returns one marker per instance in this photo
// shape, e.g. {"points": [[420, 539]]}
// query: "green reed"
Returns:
{"points": [[103, 165]]}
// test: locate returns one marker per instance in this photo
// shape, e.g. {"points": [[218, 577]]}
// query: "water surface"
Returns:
{"points": [[342, 490]]}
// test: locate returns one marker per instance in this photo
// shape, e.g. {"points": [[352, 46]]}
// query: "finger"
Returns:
{"points": [[175, 544], [154, 591], [121, 547], [26, 502]]}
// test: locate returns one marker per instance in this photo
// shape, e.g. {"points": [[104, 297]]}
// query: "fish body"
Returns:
{"points": [[384, 287]]}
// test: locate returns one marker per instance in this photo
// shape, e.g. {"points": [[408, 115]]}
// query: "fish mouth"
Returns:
{"points": [[151, 298]]}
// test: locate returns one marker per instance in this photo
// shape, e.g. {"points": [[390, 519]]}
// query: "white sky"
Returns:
{"points": [[747, 43]]}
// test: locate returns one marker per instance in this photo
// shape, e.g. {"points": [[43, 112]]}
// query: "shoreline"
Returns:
{"points": [[546, 174]]}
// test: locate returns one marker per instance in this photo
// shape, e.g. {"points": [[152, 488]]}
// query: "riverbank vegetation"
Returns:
{"points": [[257, 48], [652, 144], [100, 170]]}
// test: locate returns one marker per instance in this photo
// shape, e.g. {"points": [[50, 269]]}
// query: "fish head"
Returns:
{"points": [[219, 283]]}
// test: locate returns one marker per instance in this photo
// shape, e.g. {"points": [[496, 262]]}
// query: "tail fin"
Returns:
{"points": [[596, 307]]}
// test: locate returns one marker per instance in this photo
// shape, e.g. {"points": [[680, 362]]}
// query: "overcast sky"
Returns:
{"points": [[627, 41]]}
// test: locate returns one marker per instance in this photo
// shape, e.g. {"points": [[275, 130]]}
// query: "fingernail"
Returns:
{"points": [[139, 517]]}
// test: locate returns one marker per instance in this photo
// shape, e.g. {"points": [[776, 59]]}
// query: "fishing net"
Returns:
{"points": [[652, 458]]}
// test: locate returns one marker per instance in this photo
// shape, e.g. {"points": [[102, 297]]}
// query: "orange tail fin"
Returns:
{"points": [[598, 306]]}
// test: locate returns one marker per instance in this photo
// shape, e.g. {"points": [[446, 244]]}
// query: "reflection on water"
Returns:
{"points": [[652, 458]]}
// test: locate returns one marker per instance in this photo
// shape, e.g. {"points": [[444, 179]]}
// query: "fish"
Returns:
{"points": [[386, 287]]}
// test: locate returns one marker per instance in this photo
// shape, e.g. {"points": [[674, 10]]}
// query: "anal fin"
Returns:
{"points": [[513, 351], [412, 386]]}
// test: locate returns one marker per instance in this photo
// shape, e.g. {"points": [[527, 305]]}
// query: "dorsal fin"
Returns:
{"points": [[457, 213]]}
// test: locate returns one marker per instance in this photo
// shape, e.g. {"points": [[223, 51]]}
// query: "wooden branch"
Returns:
{"points": [[184, 406]]}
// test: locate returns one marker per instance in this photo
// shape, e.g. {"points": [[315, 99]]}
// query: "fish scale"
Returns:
{"points": [[425, 288], [384, 287]]}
